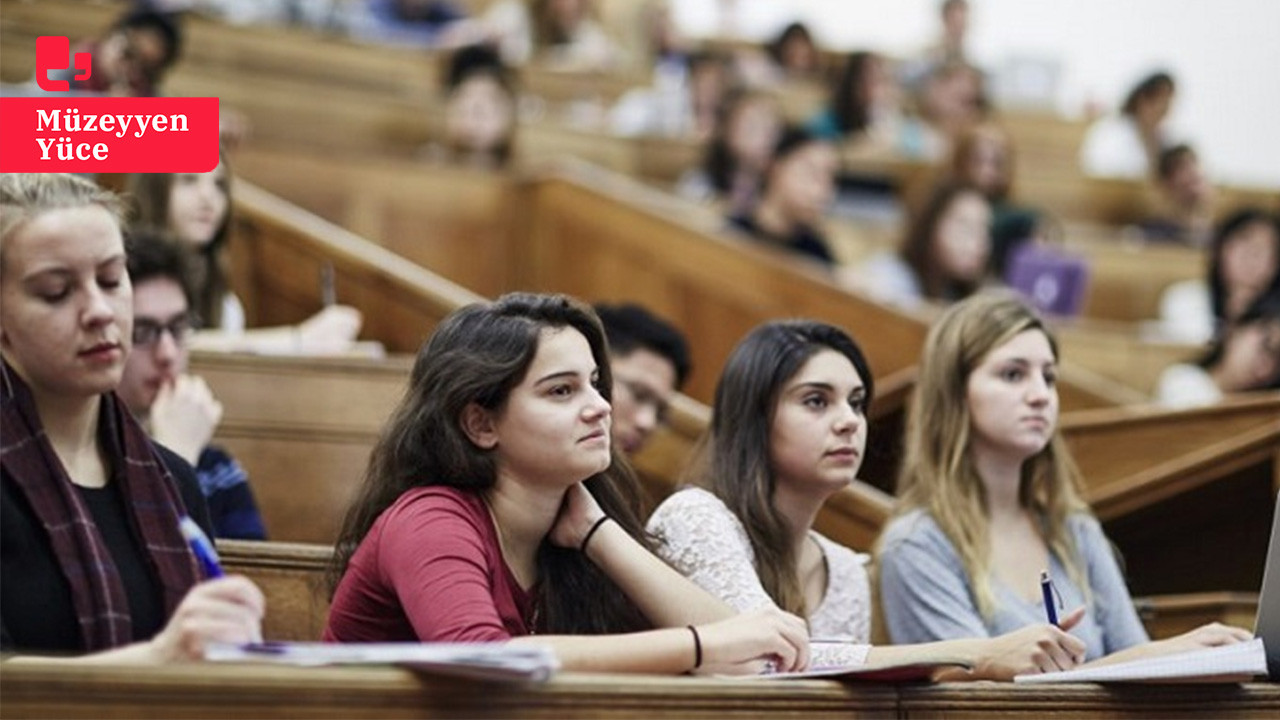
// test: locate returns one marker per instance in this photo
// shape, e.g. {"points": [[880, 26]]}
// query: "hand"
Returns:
{"points": [[1033, 649], [184, 416], [329, 331], [1210, 635], [227, 609], [745, 644], [578, 512]]}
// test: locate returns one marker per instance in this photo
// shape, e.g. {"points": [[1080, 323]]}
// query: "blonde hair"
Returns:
{"points": [[26, 196], [938, 474]]}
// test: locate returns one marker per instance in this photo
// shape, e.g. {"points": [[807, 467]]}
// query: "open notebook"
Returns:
{"points": [[484, 661], [1229, 663]]}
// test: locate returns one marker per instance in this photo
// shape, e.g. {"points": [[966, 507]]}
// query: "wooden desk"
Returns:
{"points": [[955, 701], [220, 691]]}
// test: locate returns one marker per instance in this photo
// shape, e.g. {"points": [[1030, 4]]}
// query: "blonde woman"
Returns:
{"points": [[989, 497], [92, 565]]}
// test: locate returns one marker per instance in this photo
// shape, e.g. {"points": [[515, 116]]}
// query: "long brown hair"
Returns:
{"points": [[938, 474], [150, 194], [919, 248], [478, 355], [734, 458]]}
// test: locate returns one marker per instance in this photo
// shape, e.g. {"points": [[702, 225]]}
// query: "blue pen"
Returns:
{"points": [[1046, 589], [201, 546]]}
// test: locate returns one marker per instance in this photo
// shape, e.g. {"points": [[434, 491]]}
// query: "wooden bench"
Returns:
{"points": [[1173, 488], [292, 577], [303, 429], [279, 252]]}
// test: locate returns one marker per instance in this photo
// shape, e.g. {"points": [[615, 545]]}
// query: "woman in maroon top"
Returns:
{"points": [[494, 509]]}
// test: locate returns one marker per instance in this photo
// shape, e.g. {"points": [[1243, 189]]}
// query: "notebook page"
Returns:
{"points": [[1240, 659]]}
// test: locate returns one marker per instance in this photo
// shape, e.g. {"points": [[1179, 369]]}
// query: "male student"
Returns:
{"points": [[177, 409], [650, 361]]}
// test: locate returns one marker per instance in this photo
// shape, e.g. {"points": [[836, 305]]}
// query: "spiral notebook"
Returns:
{"points": [[1228, 663]]}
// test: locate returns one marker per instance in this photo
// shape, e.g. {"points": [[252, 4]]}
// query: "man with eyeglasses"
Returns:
{"points": [[650, 361], [178, 409]]}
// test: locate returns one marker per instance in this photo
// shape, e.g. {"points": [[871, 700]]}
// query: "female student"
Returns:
{"points": [[789, 431], [82, 485], [1244, 265], [1127, 144], [863, 105], [1243, 358], [748, 123], [495, 508], [945, 254], [989, 497], [984, 158], [196, 208], [798, 186]]}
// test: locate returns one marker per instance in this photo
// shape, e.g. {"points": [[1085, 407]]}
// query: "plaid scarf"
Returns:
{"points": [[150, 497]]}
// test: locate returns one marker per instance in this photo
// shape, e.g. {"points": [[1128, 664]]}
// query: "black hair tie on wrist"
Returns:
{"points": [[587, 538], [697, 647]]}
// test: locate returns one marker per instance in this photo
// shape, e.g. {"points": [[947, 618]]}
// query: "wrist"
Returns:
{"points": [[697, 648], [591, 533]]}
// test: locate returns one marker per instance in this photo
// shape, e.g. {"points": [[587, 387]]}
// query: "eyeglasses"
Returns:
{"points": [[147, 332], [644, 396]]}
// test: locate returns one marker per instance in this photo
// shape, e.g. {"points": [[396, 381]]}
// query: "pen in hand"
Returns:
{"points": [[201, 546], [1046, 589]]}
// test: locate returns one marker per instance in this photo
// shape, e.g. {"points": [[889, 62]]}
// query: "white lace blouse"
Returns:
{"points": [[700, 536]]}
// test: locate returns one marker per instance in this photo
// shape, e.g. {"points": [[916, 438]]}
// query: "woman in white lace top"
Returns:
{"points": [[788, 431]]}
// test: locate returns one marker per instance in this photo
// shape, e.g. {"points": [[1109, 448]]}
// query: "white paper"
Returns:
{"points": [[1249, 658], [493, 661]]}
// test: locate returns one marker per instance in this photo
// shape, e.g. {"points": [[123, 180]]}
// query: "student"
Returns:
{"points": [[682, 101], [944, 256], [480, 115], [747, 127], [133, 57], [950, 98], [82, 485], [798, 187], [862, 105], [196, 209], [650, 361], [178, 409], [988, 497], [788, 431], [984, 158], [794, 54], [1245, 358], [494, 508], [1187, 198], [1244, 265], [1129, 144]]}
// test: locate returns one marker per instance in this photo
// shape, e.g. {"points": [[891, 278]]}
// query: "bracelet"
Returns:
{"points": [[587, 538], [697, 647]]}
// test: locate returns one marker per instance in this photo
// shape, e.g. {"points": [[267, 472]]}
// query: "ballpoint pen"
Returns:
{"points": [[1046, 590], [201, 546]]}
